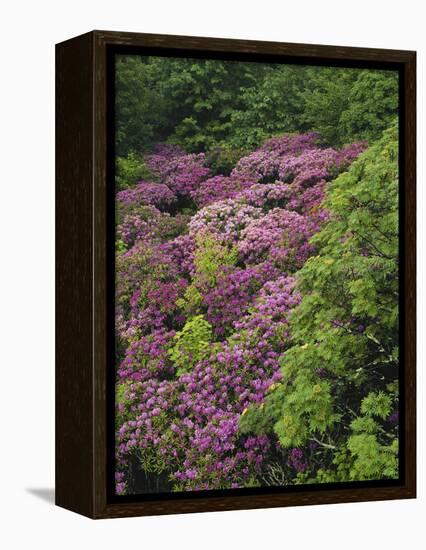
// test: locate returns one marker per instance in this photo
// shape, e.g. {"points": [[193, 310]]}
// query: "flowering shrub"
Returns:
{"points": [[219, 188], [147, 357], [233, 293], [148, 285], [281, 235], [263, 164], [154, 194], [181, 252], [225, 219], [206, 273], [161, 154], [181, 172], [134, 228], [147, 223], [267, 196]]}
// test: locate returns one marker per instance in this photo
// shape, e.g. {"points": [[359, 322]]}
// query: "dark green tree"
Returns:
{"points": [[325, 99], [203, 96], [274, 106], [204, 104], [347, 105], [372, 105], [140, 107]]}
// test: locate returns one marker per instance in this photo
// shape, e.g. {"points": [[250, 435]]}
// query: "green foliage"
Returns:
{"points": [[151, 461], [120, 247], [222, 159], [129, 170], [210, 258], [140, 107], [346, 105], [273, 106], [206, 104], [339, 380], [372, 460], [372, 105], [376, 404], [203, 95], [191, 344], [122, 401], [342, 105], [325, 102]]}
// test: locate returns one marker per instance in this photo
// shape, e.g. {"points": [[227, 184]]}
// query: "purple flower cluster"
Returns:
{"points": [[348, 154], [153, 194], [292, 144], [295, 159], [194, 418], [267, 195], [296, 460], [147, 357], [186, 426], [225, 219], [134, 228], [161, 154], [147, 223], [267, 321], [263, 164], [281, 235], [181, 251], [219, 188], [234, 293], [181, 172], [147, 288]]}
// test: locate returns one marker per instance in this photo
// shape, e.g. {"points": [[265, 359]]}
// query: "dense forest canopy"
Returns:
{"points": [[203, 104]]}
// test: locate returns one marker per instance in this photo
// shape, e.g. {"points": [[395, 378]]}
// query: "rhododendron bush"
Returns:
{"points": [[207, 285]]}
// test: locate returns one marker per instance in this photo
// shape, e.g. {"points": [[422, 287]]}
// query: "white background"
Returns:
{"points": [[29, 30]]}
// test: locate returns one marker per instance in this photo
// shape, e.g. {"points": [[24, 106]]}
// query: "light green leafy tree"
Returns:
{"points": [[191, 344], [129, 170], [210, 258]]}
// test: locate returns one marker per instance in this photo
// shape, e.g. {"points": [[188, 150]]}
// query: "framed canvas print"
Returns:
{"points": [[235, 274]]}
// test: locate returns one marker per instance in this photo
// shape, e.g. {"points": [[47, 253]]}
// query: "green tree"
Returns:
{"points": [[203, 95], [140, 108], [191, 344], [129, 170], [346, 105], [325, 99], [272, 106], [201, 104], [372, 105]]}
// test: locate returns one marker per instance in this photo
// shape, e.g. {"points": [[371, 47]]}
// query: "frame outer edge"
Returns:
{"points": [[74, 384], [410, 269], [100, 466], [99, 507]]}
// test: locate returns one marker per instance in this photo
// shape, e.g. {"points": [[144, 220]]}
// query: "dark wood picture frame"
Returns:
{"points": [[82, 275]]}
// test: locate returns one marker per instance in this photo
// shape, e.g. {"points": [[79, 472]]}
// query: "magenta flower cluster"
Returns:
{"points": [[181, 172], [281, 235], [235, 291], [183, 425], [219, 188], [145, 193]]}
